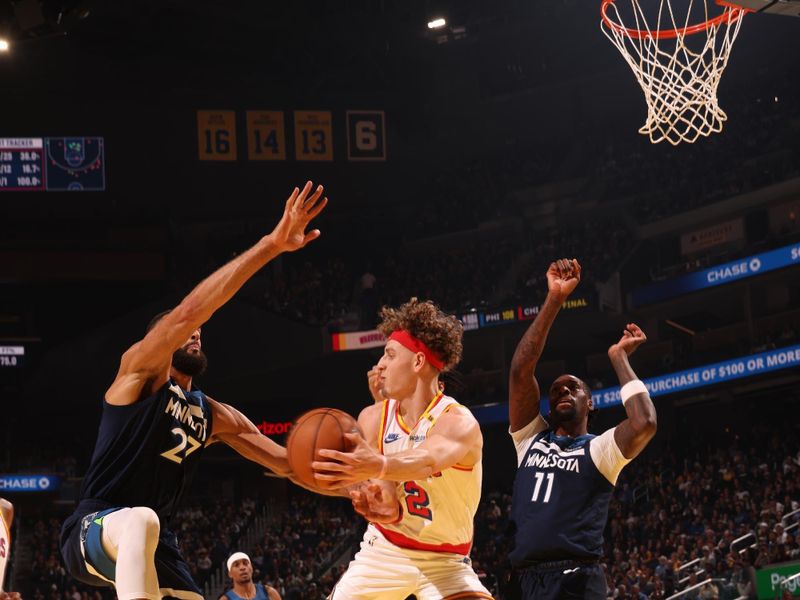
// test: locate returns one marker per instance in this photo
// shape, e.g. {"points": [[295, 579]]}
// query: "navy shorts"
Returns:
{"points": [[87, 562], [563, 580]]}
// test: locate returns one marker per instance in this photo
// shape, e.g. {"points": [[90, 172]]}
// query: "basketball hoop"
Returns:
{"points": [[679, 78]]}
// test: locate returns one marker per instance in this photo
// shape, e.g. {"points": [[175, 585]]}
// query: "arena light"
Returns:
{"points": [[4, 46], [437, 23]]}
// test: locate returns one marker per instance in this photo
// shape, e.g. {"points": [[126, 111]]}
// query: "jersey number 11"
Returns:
{"points": [[539, 478]]}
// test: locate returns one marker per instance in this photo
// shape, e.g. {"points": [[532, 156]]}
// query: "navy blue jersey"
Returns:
{"points": [[146, 453], [560, 501], [261, 594]]}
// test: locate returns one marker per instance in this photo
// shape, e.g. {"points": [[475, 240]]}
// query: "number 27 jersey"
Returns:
{"points": [[438, 512]]}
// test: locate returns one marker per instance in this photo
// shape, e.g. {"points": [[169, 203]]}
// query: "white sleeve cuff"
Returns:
{"points": [[607, 456]]}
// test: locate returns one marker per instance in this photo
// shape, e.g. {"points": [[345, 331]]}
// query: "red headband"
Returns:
{"points": [[403, 337]]}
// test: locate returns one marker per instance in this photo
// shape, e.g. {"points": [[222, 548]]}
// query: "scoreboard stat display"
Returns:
{"points": [[52, 164]]}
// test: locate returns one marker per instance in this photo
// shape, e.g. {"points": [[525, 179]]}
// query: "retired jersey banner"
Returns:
{"points": [[357, 340]]}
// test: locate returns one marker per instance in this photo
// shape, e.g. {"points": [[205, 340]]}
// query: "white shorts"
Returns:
{"points": [[383, 571]]}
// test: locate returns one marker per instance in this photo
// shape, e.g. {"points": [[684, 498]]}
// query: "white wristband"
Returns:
{"points": [[383, 466], [632, 388]]}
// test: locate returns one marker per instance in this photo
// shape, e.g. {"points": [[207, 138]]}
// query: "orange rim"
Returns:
{"points": [[731, 14]]}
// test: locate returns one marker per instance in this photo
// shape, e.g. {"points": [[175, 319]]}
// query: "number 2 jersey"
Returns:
{"points": [[146, 453], [438, 512], [562, 492]]}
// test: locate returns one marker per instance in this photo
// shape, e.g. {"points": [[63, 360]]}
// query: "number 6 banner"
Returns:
{"points": [[366, 135]]}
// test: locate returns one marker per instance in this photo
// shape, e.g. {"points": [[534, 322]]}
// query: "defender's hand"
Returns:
{"points": [[563, 277], [290, 232], [631, 339]]}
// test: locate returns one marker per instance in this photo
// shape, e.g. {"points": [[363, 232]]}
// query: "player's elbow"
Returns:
{"points": [[646, 426]]}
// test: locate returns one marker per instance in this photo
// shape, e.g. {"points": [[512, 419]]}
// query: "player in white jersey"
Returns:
{"points": [[430, 447]]}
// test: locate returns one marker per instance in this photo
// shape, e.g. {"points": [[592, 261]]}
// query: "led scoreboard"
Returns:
{"points": [[52, 164]]}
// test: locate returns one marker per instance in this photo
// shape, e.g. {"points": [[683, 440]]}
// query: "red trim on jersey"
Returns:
{"points": [[467, 595], [398, 539], [461, 468], [405, 338]]}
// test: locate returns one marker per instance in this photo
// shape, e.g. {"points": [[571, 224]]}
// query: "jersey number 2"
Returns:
{"points": [[185, 440], [417, 501]]}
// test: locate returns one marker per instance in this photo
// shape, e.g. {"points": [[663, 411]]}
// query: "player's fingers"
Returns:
{"points": [[321, 465], [301, 197], [317, 208], [290, 200], [309, 203], [329, 475]]}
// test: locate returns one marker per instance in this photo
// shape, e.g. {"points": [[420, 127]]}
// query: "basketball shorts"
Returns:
{"points": [[563, 580], [383, 571], [86, 560]]}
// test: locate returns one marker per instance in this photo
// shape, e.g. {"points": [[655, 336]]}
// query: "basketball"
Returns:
{"points": [[318, 428]]}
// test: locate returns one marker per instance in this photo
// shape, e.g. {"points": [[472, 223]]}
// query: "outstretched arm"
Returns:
{"points": [[148, 361], [237, 431], [523, 389], [633, 434]]}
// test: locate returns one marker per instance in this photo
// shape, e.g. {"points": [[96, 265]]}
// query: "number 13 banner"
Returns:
{"points": [[313, 135]]}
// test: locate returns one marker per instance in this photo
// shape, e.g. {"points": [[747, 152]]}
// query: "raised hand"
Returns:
{"points": [[373, 381], [290, 232], [563, 277], [631, 339]]}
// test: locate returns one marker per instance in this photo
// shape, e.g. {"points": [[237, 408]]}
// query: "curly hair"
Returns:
{"points": [[424, 320]]}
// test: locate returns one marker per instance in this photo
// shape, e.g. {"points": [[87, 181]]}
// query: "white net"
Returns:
{"points": [[678, 64]]}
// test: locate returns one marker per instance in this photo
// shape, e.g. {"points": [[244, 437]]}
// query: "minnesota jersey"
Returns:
{"points": [[438, 511], [5, 547], [561, 493], [146, 453]]}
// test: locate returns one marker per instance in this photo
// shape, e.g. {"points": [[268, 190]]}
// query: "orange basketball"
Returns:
{"points": [[318, 428]]}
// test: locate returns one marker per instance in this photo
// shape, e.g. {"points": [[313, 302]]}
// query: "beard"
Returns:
{"points": [[189, 363], [557, 417]]}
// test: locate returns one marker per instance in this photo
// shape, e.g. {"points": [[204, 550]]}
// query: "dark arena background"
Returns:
{"points": [[144, 144]]}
